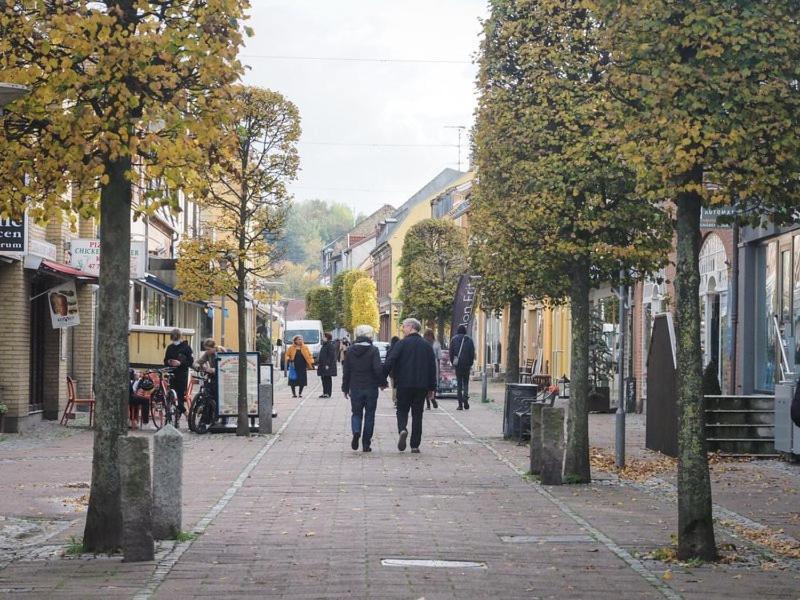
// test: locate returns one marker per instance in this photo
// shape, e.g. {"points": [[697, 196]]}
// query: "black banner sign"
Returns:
{"points": [[464, 303], [13, 237]]}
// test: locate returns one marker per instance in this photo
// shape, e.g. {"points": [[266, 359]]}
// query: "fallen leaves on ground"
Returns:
{"points": [[635, 469], [78, 502], [774, 539]]}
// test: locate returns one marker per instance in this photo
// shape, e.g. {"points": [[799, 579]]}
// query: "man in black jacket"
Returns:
{"points": [[362, 375], [179, 356], [462, 357], [326, 365], [413, 367]]}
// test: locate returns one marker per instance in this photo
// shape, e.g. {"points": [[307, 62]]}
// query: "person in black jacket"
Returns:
{"points": [[413, 367], [462, 357], [179, 356], [326, 365], [361, 378]]}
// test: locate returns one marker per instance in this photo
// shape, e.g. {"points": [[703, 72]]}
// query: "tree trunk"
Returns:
{"points": [[103, 528], [514, 332], [576, 464], [695, 523]]}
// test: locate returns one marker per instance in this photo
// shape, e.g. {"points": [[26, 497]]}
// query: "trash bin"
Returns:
{"points": [[518, 397]]}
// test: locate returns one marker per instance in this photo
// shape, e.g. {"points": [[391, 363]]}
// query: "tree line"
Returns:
{"points": [[603, 127]]}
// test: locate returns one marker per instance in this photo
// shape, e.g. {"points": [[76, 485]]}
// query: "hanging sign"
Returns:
{"points": [[13, 236], [84, 255], [63, 302]]}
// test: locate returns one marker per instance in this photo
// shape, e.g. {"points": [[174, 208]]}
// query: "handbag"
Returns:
{"points": [[458, 356], [292, 371]]}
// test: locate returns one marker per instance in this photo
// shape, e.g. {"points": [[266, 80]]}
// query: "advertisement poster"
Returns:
{"points": [[228, 382], [84, 255], [63, 302]]}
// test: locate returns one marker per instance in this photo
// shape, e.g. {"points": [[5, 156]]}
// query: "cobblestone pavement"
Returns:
{"points": [[300, 515]]}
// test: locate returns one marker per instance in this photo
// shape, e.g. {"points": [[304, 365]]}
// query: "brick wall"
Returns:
{"points": [[15, 325]]}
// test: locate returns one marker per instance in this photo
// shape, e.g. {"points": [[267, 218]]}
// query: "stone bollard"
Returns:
{"points": [[536, 439], [167, 483], [136, 499], [265, 408], [552, 445]]}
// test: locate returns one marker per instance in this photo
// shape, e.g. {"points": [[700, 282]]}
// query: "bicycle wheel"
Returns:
{"points": [[192, 419], [158, 409], [172, 408]]}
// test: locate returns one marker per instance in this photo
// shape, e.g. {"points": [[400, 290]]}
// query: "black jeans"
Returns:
{"points": [[327, 385], [412, 399], [363, 404], [462, 381], [180, 381]]}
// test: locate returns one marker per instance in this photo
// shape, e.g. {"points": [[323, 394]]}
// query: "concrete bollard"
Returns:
{"points": [[536, 439], [265, 408], [167, 483], [553, 445], [136, 499]]}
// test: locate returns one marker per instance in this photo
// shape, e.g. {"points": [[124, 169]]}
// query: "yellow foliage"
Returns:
{"points": [[364, 304]]}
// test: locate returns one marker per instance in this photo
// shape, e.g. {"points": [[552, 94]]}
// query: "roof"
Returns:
{"points": [[10, 92], [364, 228], [438, 183]]}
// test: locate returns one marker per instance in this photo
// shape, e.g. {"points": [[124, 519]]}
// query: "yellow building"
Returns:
{"points": [[389, 246]]}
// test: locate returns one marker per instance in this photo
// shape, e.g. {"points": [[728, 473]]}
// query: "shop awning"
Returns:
{"points": [[159, 285], [58, 269]]}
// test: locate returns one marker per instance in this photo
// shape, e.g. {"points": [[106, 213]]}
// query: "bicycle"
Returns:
{"points": [[203, 412], [163, 400]]}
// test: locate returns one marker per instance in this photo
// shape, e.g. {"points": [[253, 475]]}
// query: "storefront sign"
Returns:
{"points": [[42, 248], [13, 236], [709, 217], [84, 255], [63, 302], [228, 383]]}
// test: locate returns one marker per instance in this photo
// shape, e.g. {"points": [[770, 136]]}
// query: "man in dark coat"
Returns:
{"points": [[326, 365], [362, 375], [179, 356], [462, 357], [413, 367]]}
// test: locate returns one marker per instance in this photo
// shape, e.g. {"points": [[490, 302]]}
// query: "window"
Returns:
{"points": [[766, 269]]}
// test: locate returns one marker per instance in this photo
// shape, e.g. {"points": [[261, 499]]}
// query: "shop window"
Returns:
{"points": [[136, 317], [767, 271]]}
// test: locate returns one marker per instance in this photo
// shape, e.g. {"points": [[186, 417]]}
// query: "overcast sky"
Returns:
{"points": [[358, 116]]}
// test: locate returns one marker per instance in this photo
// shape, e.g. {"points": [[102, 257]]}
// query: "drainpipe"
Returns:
{"points": [[733, 296]]}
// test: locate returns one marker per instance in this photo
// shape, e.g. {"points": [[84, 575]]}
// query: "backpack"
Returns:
{"points": [[795, 410]]}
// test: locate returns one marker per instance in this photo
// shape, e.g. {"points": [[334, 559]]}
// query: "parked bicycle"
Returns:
{"points": [[163, 400], [203, 412]]}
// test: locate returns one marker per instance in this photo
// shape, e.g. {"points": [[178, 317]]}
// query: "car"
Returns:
{"points": [[383, 348]]}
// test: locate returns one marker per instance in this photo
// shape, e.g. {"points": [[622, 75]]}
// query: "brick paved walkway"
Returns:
{"points": [[300, 515]]}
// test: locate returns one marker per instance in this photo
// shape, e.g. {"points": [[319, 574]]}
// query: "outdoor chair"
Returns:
{"points": [[73, 401], [526, 372]]}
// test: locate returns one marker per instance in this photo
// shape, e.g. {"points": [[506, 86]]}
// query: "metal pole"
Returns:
{"points": [[485, 380], [620, 424], [733, 299]]}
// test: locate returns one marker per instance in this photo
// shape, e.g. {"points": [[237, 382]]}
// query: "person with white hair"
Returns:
{"points": [[413, 367], [362, 376]]}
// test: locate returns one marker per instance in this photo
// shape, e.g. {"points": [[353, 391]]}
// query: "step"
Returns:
{"points": [[740, 432], [758, 402], [757, 447], [741, 418]]}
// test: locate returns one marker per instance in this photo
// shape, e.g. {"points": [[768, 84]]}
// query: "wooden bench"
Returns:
{"points": [[73, 401]]}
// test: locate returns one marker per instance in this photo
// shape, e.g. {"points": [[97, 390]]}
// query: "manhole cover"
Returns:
{"points": [[433, 564], [547, 539]]}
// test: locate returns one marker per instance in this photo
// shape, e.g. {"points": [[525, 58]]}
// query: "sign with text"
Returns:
{"points": [[63, 302], [464, 303], [13, 236], [84, 255], [228, 383], [709, 217]]}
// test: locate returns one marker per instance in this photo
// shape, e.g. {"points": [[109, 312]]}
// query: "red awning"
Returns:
{"points": [[58, 268]]}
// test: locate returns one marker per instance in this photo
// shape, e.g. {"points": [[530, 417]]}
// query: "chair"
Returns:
{"points": [[73, 401], [526, 372], [543, 381]]}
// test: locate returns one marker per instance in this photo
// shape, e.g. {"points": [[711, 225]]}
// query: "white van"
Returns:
{"points": [[311, 332]]}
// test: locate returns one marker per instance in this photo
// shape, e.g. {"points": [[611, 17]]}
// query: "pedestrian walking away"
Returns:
{"points": [[437, 354], [411, 363], [343, 349], [462, 357], [362, 375], [178, 355], [298, 362], [326, 365]]}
